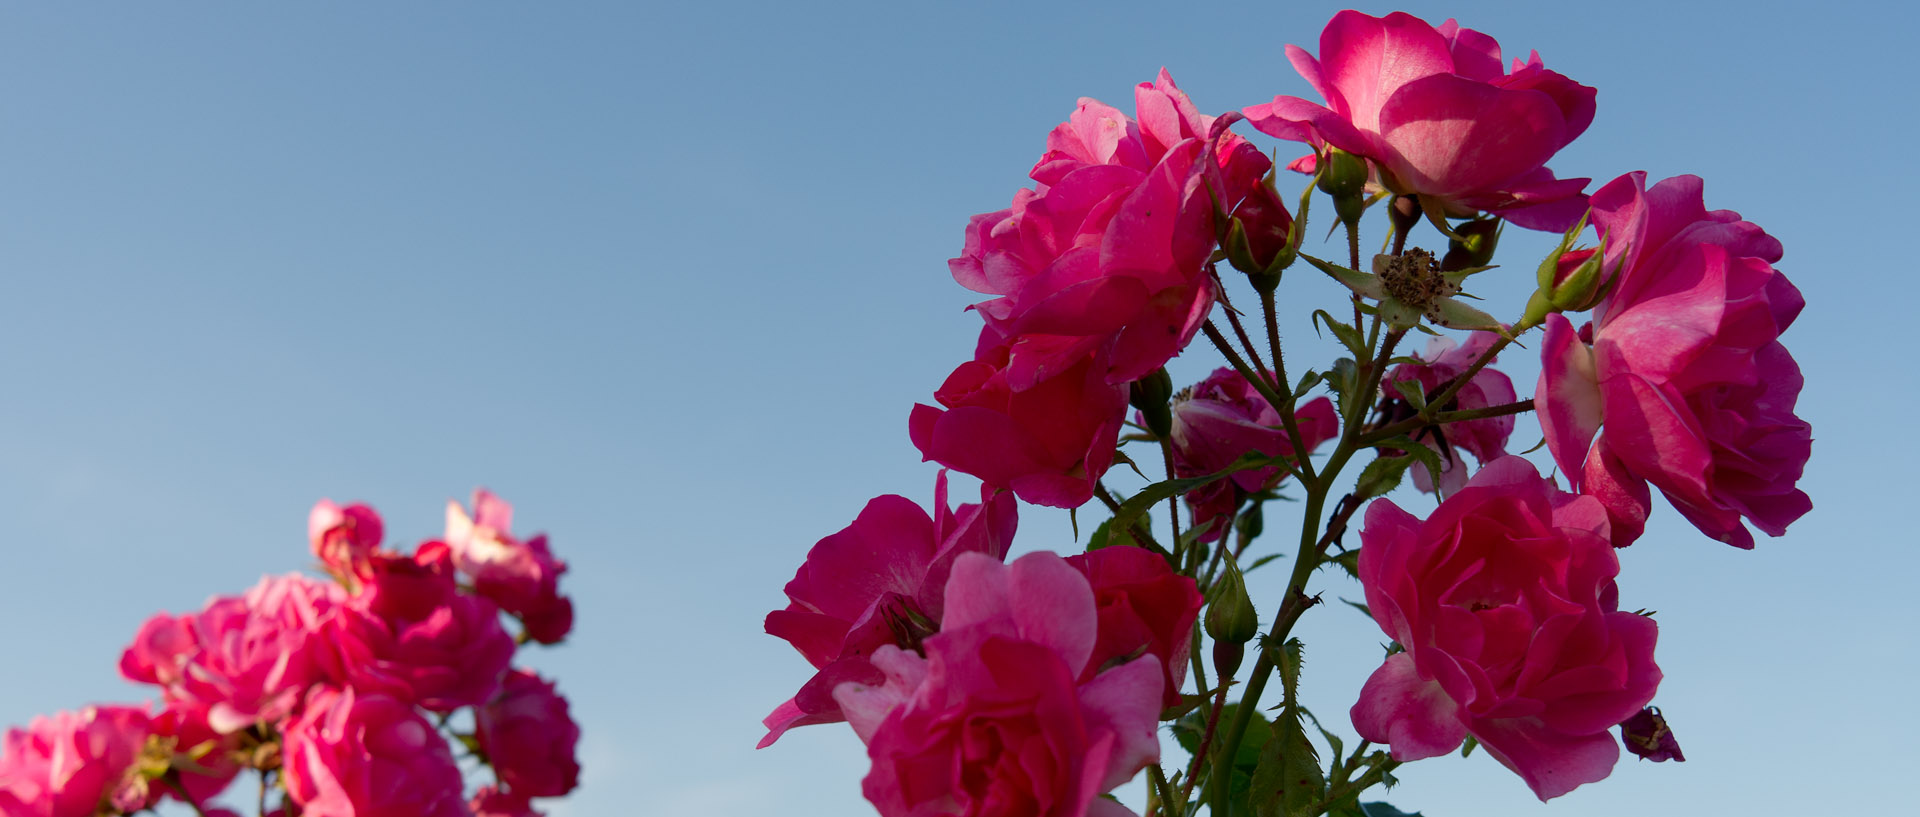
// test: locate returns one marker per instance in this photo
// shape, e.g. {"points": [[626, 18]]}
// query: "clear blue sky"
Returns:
{"points": [[670, 277]]}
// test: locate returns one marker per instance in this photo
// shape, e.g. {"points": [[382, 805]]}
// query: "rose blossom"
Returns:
{"points": [[1485, 438], [354, 754], [1681, 372], [243, 659], [880, 580], [1505, 602], [1439, 116], [1144, 609], [1109, 253], [490, 801], [1002, 673], [522, 577], [453, 656], [1223, 418], [529, 737], [340, 537], [67, 764], [1048, 443]]}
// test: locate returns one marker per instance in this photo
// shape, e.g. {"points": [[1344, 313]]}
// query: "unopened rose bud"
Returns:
{"points": [[1646, 734], [1231, 617], [1474, 247], [1260, 236], [1404, 212], [1342, 174], [1251, 523], [1579, 280], [1150, 395]]}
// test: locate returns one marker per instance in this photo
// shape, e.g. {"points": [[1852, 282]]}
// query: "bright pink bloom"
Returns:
{"points": [[212, 765], [1108, 254], [1439, 116], [881, 580], [492, 802], [353, 754], [993, 721], [69, 764], [453, 656], [343, 537], [242, 660], [1223, 418], [1048, 443], [1505, 602], [1144, 609], [409, 587], [1486, 438], [529, 737], [1681, 371], [522, 577]]}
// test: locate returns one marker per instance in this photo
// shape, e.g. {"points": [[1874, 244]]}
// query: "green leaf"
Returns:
{"points": [[1288, 781], [1366, 285], [1343, 380], [1136, 506], [1418, 451], [1189, 728], [1468, 747], [1307, 382], [1453, 314], [1410, 389], [1119, 456], [1358, 606], [1348, 335], [1381, 476], [1099, 538], [1384, 810], [1349, 560], [1260, 561]]}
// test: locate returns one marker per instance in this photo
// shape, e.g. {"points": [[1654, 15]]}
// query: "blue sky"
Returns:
{"points": [[669, 279]]}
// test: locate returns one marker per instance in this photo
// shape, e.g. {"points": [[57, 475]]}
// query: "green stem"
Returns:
{"points": [[1157, 788], [1408, 425], [1253, 352], [1173, 502], [1222, 782], [1283, 405]]}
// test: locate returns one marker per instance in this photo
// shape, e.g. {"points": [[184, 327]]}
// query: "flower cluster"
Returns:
{"points": [[1033, 687], [339, 693]]}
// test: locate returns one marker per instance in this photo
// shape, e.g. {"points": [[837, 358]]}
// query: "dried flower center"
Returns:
{"points": [[1413, 278]]}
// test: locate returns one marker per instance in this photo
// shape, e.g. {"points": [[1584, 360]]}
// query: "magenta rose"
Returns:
{"points": [[244, 659], [1144, 609], [1108, 254], [522, 577], [343, 537], [1680, 380], [1439, 115], [1505, 603], [529, 737], [1485, 438], [1048, 443], [490, 801], [354, 754], [881, 580], [72, 763], [1004, 673], [1223, 418], [451, 657]]}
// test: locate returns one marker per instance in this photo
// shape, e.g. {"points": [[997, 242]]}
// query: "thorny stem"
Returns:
{"points": [[1374, 775], [1206, 740], [1408, 425], [1173, 502], [1221, 783], [1157, 790], [1460, 382], [1280, 404], [1240, 331]]}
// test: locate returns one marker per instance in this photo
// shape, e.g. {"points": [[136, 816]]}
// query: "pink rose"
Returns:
{"points": [[1486, 438], [1223, 418], [1144, 609], [1439, 116], [490, 801], [210, 763], [453, 656], [1003, 673], [1505, 603], [342, 537], [242, 660], [1108, 254], [354, 754], [71, 763], [1048, 443], [522, 577], [529, 737], [1681, 373], [881, 580]]}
